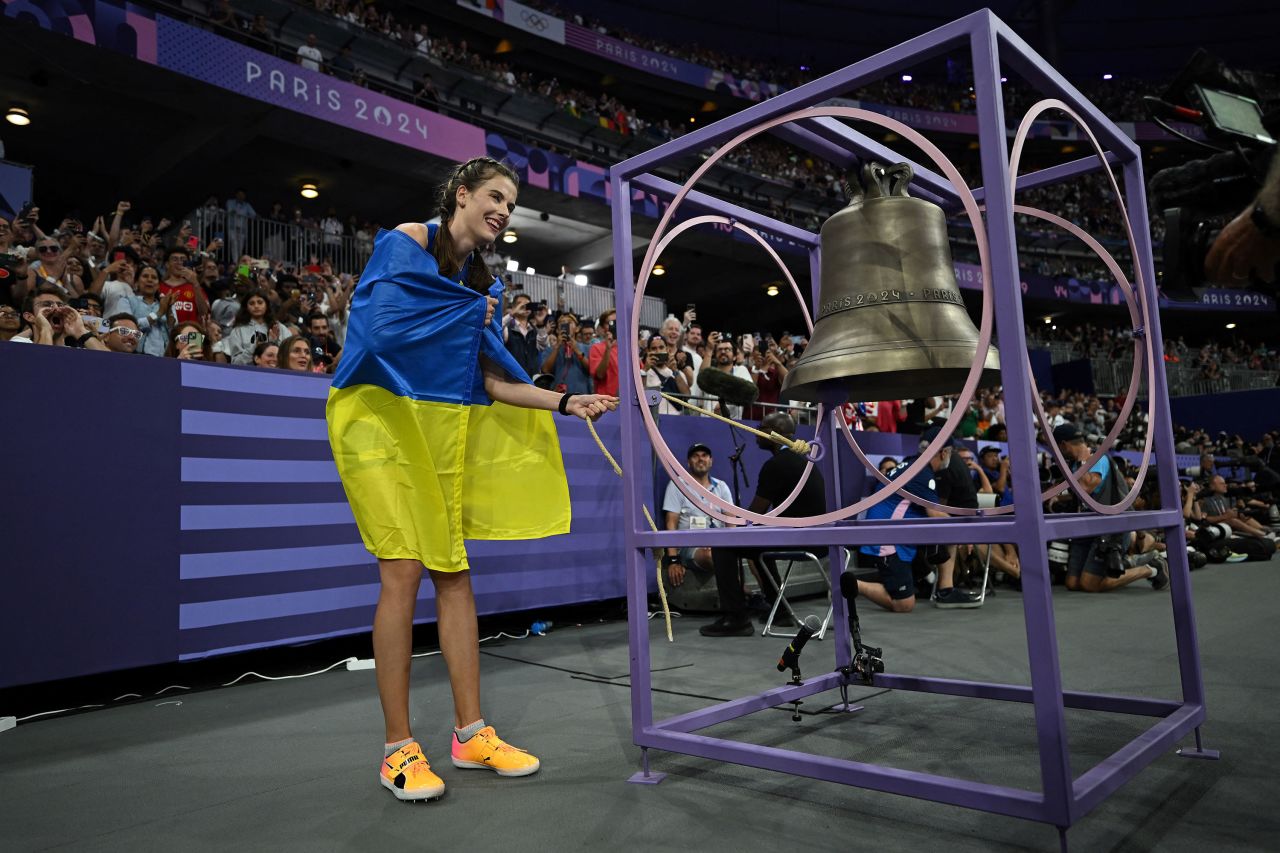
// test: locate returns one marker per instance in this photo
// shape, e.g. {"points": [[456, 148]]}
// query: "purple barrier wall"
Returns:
{"points": [[162, 510], [1249, 413]]}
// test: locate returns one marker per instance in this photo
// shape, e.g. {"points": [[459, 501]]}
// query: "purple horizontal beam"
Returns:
{"points": [[275, 383], [872, 68], [195, 422], [241, 516], [1018, 55], [758, 221], [1137, 705], [223, 564], [942, 789], [1101, 781], [731, 710], [1054, 174], [199, 469], [918, 531], [1090, 524]]}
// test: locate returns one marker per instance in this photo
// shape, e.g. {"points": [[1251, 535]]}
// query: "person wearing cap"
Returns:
{"points": [[1086, 564], [680, 513], [896, 589]]}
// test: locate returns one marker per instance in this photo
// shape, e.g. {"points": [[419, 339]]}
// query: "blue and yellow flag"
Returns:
{"points": [[426, 458]]}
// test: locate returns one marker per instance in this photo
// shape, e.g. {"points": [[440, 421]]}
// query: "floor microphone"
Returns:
{"points": [[791, 655]]}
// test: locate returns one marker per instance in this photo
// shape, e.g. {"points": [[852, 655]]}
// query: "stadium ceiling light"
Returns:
{"points": [[659, 269], [510, 237], [309, 191], [771, 290], [906, 78], [1106, 76], [513, 265], [1048, 320], [580, 280], [18, 115], [1231, 325]]}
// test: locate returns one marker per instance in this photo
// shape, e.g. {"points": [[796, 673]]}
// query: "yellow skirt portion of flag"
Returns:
{"points": [[422, 476]]}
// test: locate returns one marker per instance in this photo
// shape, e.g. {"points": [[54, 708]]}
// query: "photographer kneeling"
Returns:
{"points": [[1097, 563]]}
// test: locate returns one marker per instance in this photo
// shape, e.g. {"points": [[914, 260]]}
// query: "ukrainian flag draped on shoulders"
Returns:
{"points": [[426, 458]]}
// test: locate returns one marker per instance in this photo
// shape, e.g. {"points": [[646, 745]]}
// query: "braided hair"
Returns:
{"points": [[471, 175]]}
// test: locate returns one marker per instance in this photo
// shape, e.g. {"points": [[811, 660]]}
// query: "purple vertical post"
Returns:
{"points": [[1184, 618], [829, 434], [633, 461], [1037, 594]]}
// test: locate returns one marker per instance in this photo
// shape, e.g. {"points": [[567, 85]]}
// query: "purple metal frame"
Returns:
{"points": [[1063, 799]]}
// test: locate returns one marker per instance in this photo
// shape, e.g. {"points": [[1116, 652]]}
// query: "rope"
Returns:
{"points": [[799, 445], [662, 588]]}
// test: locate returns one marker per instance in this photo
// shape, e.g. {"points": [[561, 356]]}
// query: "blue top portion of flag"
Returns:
{"points": [[418, 334]]}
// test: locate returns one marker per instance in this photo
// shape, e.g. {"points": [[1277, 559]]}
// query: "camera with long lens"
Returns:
{"points": [[1110, 549], [1199, 196]]}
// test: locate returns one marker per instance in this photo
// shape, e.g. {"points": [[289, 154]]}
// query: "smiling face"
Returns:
{"points": [[699, 463], [482, 214], [123, 337], [267, 357], [148, 281]]}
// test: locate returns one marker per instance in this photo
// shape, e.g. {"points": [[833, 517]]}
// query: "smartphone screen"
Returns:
{"points": [[193, 242]]}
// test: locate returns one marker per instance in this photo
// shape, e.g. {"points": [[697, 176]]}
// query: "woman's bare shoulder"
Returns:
{"points": [[416, 230]]}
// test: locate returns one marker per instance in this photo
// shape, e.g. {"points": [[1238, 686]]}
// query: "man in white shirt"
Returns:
{"points": [[680, 513], [309, 55]]}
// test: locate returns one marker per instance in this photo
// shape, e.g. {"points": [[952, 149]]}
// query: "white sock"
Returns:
{"points": [[1154, 571], [398, 745], [465, 733]]}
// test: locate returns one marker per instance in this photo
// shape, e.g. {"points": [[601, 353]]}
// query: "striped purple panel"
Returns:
{"points": [[263, 561], [214, 470], [241, 516], [252, 380], [236, 425], [268, 556]]}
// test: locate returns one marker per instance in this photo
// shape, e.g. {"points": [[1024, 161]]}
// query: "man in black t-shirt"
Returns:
{"points": [[778, 478]]}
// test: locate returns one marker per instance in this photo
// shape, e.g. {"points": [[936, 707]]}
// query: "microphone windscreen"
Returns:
{"points": [[813, 623], [733, 390], [848, 585]]}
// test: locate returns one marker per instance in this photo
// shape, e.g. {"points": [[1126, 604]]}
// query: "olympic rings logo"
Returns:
{"points": [[534, 21]]}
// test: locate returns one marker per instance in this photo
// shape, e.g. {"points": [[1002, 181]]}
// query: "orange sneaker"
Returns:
{"points": [[407, 775], [486, 751]]}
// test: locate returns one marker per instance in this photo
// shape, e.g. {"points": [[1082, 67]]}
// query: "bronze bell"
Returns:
{"points": [[890, 322]]}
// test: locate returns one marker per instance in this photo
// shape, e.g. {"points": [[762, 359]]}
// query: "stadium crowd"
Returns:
{"points": [[137, 285]]}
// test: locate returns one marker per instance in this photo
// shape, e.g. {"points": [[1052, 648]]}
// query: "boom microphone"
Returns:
{"points": [[791, 655], [731, 389]]}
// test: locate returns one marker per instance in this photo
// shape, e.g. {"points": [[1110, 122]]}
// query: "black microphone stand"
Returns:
{"points": [[735, 461]]}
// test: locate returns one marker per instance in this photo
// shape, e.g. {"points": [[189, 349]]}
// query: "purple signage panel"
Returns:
{"points": [[228, 65]]}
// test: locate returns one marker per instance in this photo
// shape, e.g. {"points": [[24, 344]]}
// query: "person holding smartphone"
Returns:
{"points": [[659, 373], [566, 359], [429, 415], [189, 342], [602, 360]]}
